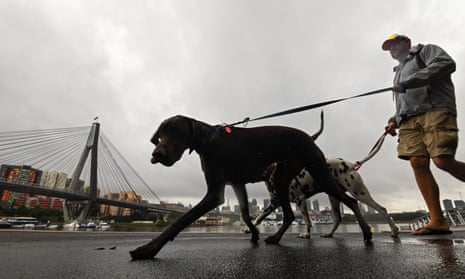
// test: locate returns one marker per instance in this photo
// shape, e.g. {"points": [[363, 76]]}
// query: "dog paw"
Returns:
{"points": [[368, 237], [327, 235], [304, 235], [255, 238], [142, 253], [272, 240], [246, 231], [395, 233]]}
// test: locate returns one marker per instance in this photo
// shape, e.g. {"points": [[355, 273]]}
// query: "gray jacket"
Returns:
{"points": [[426, 75]]}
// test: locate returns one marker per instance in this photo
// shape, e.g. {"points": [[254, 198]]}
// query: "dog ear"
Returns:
{"points": [[155, 138]]}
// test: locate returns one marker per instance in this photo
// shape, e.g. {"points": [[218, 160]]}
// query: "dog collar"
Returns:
{"points": [[220, 129]]}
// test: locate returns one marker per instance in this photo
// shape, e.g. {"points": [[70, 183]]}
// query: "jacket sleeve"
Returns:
{"points": [[438, 64]]}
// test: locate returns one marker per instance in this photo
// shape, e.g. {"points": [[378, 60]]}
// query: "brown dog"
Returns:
{"points": [[237, 156]]}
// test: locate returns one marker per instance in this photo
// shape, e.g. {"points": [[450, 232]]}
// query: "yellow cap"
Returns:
{"points": [[392, 38]]}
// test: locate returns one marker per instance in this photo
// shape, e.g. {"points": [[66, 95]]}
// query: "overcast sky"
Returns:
{"points": [[136, 63]]}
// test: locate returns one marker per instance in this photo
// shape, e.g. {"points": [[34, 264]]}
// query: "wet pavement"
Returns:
{"points": [[38, 254]]}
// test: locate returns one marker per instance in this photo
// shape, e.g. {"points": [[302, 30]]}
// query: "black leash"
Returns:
{"points": [[312, 106]]}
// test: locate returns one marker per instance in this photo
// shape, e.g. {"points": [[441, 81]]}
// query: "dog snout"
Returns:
{"points": [[157, 156]]}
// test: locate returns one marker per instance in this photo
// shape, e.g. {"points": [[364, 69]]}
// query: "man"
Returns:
{"points": [[426, 116]]}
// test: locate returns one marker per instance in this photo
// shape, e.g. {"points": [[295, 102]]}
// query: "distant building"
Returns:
{"points": [[459, 204], [178, 206], [226, 209], [316, 206], [266, 203], [253, 207], [110, 210], [309, 204], [237, 209], [447, 204], [209, 220], [26, 175], [254, 202]]}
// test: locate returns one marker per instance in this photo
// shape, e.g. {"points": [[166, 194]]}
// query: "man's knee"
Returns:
{"points": [[444, 162], [419, 162]]}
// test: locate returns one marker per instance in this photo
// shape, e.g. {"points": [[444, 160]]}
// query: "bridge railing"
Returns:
{"points": [[66, 190], [11, 185], [20, 182], [455, 217]]}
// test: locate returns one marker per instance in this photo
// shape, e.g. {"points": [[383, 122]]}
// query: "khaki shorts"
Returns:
{"points": [[430, 134]]}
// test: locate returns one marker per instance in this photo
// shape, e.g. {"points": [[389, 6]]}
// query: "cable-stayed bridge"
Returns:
{"points": [[77, 164]]}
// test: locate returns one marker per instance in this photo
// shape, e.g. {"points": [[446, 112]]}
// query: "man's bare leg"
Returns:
{"points": [[430, 191]]}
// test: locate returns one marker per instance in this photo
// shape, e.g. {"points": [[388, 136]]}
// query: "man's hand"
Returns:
{"points": [[399, 88], [391, 128]]}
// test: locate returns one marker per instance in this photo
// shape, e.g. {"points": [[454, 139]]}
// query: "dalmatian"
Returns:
{"points": [[302, 188]]}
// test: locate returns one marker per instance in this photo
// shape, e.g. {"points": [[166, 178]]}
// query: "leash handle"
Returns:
{"points": [[391, 131]]}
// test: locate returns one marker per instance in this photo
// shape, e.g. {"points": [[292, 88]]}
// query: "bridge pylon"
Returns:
{"points": [[92, 148]]}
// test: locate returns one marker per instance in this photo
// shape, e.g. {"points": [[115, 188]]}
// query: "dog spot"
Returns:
{"points": [[347, 183], [345, 167], [355, 193], [352, 177], [363, 193]]}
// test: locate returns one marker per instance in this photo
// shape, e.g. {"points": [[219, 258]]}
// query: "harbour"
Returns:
{"points": [[266, 227]]}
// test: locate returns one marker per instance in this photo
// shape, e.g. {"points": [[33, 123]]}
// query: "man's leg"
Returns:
{"points": [[452, 166], [430, 191]]}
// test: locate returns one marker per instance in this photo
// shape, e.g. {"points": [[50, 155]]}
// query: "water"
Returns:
{"points": [[269, 229]]}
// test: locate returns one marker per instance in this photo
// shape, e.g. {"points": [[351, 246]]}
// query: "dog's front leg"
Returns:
{"points": [[335, 207], [302, 203], [282, 191], [211, 200], [267, 211], [353, 205], [241, 194]]}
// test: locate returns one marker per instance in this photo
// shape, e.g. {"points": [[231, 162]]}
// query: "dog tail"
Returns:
{"points": [[322, 122]]}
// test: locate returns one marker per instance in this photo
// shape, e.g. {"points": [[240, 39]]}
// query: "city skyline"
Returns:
{"points": [[322, 199]]}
